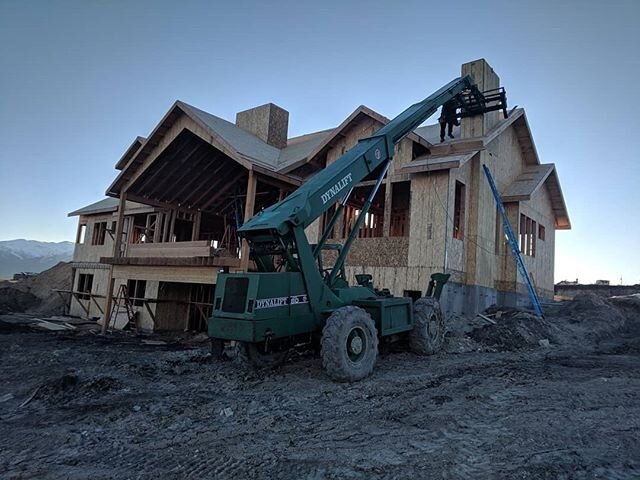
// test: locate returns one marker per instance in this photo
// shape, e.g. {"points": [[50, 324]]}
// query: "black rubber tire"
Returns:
{"points": [[217, 348], [339, 359], [249, 354], [429, 327]]}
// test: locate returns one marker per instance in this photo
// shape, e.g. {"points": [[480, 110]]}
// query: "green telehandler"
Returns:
{"points": [[293, 298]]}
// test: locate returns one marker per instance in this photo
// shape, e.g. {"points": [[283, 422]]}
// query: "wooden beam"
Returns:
{"points": [[388, 199], [97, 304], [248, 213], [199, 183], [177, 173], [204, 165], [195, 233], [226, 185], [153, 317], [157, 203], [172, 228], [276, 179], [151, 179], [107, 308], [78, 299], [185, 173], [117, 244], [117, 252], [157, 232]]}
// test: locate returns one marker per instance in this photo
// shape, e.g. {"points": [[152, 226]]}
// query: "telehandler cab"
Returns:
{"points": [[291, 297]]}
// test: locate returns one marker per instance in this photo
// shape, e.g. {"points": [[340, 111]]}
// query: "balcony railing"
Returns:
{"points": [[196, 253], [200, 248]]}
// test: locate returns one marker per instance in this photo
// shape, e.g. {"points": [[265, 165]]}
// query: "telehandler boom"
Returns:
{"points": [[292, 297]]}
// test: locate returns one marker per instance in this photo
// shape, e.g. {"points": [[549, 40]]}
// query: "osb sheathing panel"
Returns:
{"points": [[85, 252], [99, 287], [484, 267], [402, 157], [172, 315], [504, 158], [382, 251], [456, 254], [144, 319], [363, 129], [427, 224], [541, 266], [507, 270]]}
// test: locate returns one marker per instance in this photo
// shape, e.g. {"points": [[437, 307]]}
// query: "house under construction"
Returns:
{"points": [[169, 225]]}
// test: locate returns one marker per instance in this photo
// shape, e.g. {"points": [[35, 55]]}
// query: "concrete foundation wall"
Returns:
{"points": [[460, 299]]}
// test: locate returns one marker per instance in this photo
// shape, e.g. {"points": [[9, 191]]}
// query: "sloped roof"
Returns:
{"points": [[254, 149], [527, 183], [251, 152], [299, 148], [103, 206], [106, 205], [431, 163], [243, 142], [330, 135], [130, 152], [431, 133], [530, 181]]}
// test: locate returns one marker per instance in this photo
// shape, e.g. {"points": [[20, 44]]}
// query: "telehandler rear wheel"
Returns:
{"points": [[427, 335], [349, 344]]}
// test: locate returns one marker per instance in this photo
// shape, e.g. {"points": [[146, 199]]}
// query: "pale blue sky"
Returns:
{"points": [[81, 79]]}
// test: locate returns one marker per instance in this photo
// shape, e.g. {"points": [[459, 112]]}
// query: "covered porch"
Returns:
{"points": [[201, 196]]}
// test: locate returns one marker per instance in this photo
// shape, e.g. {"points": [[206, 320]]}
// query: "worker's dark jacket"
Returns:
{"points": [[449, 112]]}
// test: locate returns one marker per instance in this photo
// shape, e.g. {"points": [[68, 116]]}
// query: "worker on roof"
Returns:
{"points": [[448, 118]]}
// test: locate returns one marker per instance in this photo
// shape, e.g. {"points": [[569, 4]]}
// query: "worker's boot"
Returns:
{"points": [[451, 136], [441, 139]]}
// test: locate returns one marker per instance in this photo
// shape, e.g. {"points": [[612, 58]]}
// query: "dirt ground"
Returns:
{"points": [[522, 399]]}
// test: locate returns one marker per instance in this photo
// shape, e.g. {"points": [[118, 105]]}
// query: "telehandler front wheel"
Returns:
{"points": [[427, 335], [349, 344], [255, 356]]}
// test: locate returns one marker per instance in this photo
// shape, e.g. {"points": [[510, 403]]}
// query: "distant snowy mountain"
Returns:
{"points": [[31, 256]]}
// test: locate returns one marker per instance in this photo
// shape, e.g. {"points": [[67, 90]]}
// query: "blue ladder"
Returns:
{"points": [[515, 250]]}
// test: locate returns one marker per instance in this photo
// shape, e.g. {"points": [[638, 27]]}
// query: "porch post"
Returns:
{"points": [[249, 206], [195, 234], [388, 199], [117, 251]]}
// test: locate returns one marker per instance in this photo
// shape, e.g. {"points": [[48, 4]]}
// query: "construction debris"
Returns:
{"points": [[485, 317], [40, 323], [6, 397]]}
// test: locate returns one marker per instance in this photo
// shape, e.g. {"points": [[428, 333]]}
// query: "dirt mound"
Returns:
{"points": [[35, 294], [586, 320], [589, 306], [14, 300], [629, 305], [514, 330]]}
